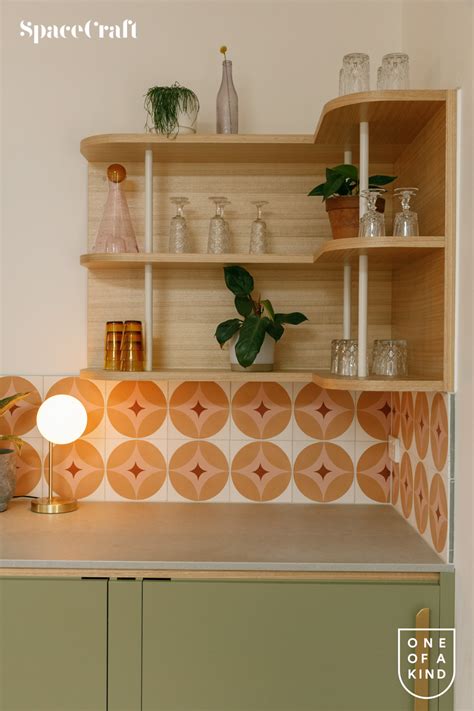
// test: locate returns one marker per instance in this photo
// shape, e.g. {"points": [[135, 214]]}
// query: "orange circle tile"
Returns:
{"points": [[396, 414], [438, 513], [374, 472], [323, 472], [395, 482], [136, 469], [439, 434], [373, 413], [78, 469], [261, 471], [21, 418], [261, 410], [406, 419], [88, 393], [198, 470], [421, 497], [406, 484], [199, 409], [28, 469], [422, 424], [136, 409], [323, 414]]}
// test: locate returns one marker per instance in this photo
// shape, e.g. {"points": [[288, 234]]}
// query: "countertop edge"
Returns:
{"points": [[228, 566]]}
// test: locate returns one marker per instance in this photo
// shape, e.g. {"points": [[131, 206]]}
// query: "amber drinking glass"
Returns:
{"points": [[113, 344], [131, 354]]}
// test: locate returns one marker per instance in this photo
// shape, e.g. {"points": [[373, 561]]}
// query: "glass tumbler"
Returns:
{"points": [[395, 69], [355, 73], [258, 231], [219, 235], [131, 353], [113, 344], [390, 358], [347, 362]]}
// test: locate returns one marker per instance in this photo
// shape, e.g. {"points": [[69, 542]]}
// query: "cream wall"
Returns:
{"points": [[439, 38], [286, 60]]}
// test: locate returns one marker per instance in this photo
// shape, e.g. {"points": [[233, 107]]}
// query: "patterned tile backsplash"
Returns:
{"points": [[221, 442]]}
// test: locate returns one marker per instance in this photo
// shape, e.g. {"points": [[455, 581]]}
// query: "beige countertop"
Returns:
{"points": [[245, 537]]}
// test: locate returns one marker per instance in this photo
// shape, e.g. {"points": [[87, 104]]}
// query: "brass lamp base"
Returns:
{"points": [[55, 505]]}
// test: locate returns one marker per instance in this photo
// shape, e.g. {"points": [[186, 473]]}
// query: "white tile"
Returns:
{"points": [[174, 445], [285, 435], [285, 446], [160, 433]]}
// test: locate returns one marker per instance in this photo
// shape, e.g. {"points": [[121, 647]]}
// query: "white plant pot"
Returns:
{"points": [[262, 363], [186, 123]]}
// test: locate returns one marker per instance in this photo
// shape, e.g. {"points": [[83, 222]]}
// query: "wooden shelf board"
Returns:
{"points": [[164, 260], [381, 250], [395, 118], [281, 376], [322, 378], [327, 380], [202, 148]]}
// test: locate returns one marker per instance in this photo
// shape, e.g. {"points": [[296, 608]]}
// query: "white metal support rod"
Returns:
{"points": [[346, 316], [363, 259], [148, 267]]}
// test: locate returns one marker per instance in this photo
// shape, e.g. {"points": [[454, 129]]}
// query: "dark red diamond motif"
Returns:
{"points": [[136, 470], [323, 410], [386, 409], [73, 469], [262, 409], [260, 471], [136, 408], [198, 408], [197, 471], [322, 471]]}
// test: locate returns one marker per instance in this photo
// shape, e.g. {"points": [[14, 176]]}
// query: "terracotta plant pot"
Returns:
{"points": [[343, 213], [7, 476]]}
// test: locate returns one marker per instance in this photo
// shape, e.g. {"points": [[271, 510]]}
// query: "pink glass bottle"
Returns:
{"points": [[116, 233]]}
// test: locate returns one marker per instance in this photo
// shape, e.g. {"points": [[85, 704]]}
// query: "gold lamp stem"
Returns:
{"points": [[50, 474]]}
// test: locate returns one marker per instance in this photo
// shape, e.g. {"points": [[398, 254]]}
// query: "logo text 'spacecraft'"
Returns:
{"points": [[92, 29]]}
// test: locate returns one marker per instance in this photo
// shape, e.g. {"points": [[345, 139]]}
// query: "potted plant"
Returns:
{"points": [[252, 336], [171, 110], [8, 455], [340, 192]]}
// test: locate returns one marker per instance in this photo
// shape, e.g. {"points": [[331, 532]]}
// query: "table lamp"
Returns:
{"points": [[61, 419]]}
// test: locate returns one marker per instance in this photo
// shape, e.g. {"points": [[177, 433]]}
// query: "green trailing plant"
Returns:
{"points": [[257, 317], [163, 105], [344, 180], [5, 405]]}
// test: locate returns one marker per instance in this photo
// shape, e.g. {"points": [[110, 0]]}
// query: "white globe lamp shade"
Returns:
{"points": [[61, 419]]}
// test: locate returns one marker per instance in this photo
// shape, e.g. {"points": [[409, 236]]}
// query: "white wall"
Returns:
{"points": [[439, 38], [286, 60]]}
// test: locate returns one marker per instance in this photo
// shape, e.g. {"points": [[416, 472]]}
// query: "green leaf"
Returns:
{"points": [[17, 441], [226, 330], [8, 402], [269, 308], [251, 338], [275, 330], [318, 190], [294, 318], [376, 180], [347, 170], [332, 186], [238, 280], [243, 304]]}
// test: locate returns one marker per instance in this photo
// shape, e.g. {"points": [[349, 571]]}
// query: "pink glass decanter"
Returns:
{"points": [[116, 233]]}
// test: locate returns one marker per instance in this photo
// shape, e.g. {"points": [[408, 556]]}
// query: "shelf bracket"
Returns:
{"points": [[148, 267]]}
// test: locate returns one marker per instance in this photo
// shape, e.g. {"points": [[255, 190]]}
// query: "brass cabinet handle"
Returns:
{"points": [[422, 685]]}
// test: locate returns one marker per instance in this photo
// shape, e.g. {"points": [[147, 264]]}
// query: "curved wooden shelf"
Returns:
{"points": [[396, 117], [327, 380], [381, 250]]}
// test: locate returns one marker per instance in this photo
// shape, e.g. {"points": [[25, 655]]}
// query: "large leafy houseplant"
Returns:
{"points": [[164, 106], [257, 317], [340, 192], [7, 455]]}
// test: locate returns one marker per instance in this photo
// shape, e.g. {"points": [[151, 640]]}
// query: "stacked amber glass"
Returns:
{"points": [[124, 346]]}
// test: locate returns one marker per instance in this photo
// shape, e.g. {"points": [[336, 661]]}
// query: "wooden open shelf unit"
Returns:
{"points": [[411, 282]]}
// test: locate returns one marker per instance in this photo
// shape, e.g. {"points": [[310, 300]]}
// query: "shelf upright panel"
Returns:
{"points": [[363, 258], [148, 267]]}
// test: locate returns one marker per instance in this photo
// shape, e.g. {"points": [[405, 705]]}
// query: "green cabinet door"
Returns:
{"points": [[277, 646], [53, 645]]}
